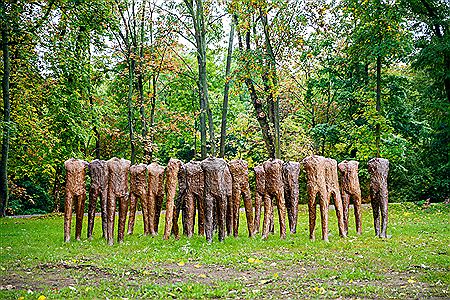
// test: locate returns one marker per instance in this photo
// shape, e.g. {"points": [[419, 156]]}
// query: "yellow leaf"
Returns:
{"points": [[251, 260], [197, 266], [202, 276], [411, 280], [275, 275], [21, 298], [42, 297], [181, 263]]}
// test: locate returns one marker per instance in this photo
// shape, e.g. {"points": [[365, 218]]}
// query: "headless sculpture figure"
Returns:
{"points": [[117, 190], [216, 191], [193, 198], [379, 169], [315, 175], [332, 184], [75, 189], [350, 188], [138, 190], [155, 196], [240, 187], [259, 195], [98, 171], [291, 172], [274, 189], [173, 166]]}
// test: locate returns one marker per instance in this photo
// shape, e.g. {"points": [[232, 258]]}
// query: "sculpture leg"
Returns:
{"points": [[294, 204], [235, 202], [67, 215], [170, 208], [248, 210], [339, 213], [258, 202], [158, 206], [150, 208], [80, 214], [281, 213], [358, 212], [111, 216], [104, 211], [190, 214], [132, 213], [312, 215], [176, 214], [209, 216], [93, 194], [268, 211], [324, 202], [345, 208], [376, 213], [123, 209], [290, 210], [148, 225], [222, 211], [271, 217], [384, 212], [201, 216], [230, 217]]}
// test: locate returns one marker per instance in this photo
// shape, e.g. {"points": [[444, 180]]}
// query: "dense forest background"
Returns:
{"points": [[148, 80]]}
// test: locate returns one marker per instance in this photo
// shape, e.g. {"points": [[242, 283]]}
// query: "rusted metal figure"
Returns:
{"points": [[75, 190], [155, 196], [98, 171], [332, 183], [291, 172], [259, 195], [138, 191], [274, 189], [172, 169], [118, 170], [240, 187], [379, 169], [350, 189]]}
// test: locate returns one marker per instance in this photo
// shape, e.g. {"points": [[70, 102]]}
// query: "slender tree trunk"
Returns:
{"points": [[6, 119], [378, 104], [144, 131], [131, 67], [223, 129], [152, 118], [447, 75]]}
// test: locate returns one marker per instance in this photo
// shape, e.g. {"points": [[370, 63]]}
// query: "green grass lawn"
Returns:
{"points": [[413, 263]]}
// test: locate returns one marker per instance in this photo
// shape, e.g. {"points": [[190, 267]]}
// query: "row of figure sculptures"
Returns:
{"points": [[212, 189]]}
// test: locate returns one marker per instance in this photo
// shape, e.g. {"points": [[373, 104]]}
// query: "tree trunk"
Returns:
{"points": [[6, 119], [223, 129], [140, 85], [378, 104], [131, 66]]}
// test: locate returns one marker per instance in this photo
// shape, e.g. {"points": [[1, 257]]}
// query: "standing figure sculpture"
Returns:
{"points": [[118, 170], [259, 195], [172, 169], [138, 191], [98, 171], [350, 189], [155, 196], [378, 170], [240, 187], [216, 191], [193, 198], [75, 189], [332, 184], [274, 189], [315, 176], [291, 172]]}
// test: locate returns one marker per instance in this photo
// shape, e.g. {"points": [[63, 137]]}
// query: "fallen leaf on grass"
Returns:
{"points": [[411, 280], [197, 266], [253, 260], [181, 264], [202, 276], [42, 297]]}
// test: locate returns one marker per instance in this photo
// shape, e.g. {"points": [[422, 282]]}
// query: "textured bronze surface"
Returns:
{"points": [[350, 189], [274, 189], [241, 188], [332, 183], [138, 191], [217, 189], [98, 171], [379, 169], [173, 166], [315, 176], [155, 196], [75, 190], [291, 172], [260, 176], [118, 170], [193, 198]]}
